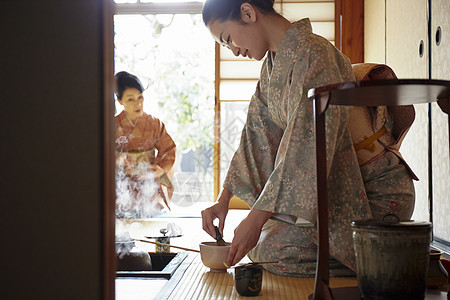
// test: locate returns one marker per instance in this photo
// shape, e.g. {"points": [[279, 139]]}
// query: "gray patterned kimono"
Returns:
{"points": [[274, 166]]}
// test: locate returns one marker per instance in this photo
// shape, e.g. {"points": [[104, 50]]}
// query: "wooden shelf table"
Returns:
{"points": [[391, 92]]}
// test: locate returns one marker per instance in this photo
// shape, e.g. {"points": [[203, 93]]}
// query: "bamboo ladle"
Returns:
{"points": [[168, 245]]}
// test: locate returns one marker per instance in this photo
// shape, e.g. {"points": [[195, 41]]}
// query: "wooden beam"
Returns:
{"points": [[349, 29], [108, 217], [159, 8]]}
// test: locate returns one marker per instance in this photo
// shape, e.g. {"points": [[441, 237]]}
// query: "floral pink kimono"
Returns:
{"points": [[140, 149]]}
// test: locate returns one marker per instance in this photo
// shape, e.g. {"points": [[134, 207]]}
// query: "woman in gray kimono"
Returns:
{"points": [[273, 170]]}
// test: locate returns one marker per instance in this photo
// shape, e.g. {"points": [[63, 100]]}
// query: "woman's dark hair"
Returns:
{"points": [[126, 80], [224, 10]]}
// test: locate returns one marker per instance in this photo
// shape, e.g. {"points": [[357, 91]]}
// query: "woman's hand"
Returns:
{"points": [[217, 211], [246, 235]]}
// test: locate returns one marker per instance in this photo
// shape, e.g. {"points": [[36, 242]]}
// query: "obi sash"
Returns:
{"points": [[375, 130]]}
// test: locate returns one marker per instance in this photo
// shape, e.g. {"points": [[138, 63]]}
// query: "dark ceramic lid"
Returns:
{"points": [[391, 221]]}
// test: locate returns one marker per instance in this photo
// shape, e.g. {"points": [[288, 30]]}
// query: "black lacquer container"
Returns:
{"points": [[248, 279]]}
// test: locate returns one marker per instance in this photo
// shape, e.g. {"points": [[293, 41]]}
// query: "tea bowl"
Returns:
{"points": [[214, 256]]}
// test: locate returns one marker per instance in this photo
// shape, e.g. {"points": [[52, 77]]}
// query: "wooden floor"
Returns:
{"points": [[194, 280], [188, 219], [197, 281]]}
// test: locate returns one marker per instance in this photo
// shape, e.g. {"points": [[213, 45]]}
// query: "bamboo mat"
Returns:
{"points": [[199, 283]]}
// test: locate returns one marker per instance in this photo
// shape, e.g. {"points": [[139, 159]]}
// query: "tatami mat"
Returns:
{"points": [[199, 283]]}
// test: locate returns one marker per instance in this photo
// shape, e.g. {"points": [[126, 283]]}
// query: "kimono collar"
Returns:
{"points": [[292, 40], [126, 123]]}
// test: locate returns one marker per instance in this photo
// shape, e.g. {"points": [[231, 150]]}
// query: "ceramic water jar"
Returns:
{"points": [[392, 258]]}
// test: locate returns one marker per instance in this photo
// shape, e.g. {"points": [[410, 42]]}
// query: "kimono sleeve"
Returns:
{"points": [[166, 149], [291, 187], [253, 162]]}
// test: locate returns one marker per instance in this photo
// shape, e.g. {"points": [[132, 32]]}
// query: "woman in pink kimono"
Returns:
{"points": [[273, 170], [145, 154]]}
